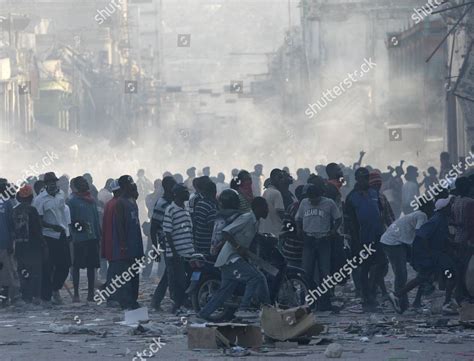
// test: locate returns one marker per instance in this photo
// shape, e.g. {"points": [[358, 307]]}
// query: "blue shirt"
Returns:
{"points": [[367, 211], [430, 242]]}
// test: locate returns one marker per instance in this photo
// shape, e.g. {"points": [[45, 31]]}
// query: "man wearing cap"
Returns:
{"points": [[430, 257], [55, 217], [127, 241], [364, 225], [397, 241], [178, 230], [29, 245]]}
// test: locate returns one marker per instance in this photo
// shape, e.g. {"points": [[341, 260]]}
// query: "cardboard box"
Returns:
{"points": [[212, 335], [466, 312], [289, 324]]}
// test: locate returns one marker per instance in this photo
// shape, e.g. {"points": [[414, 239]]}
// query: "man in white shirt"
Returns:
{"points": [[395, 240], [55, 217], [410, 189], [276, 209]]}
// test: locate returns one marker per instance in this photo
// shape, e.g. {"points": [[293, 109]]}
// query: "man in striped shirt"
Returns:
{"points": [[158, 236], [204, 217], [178, 229]]}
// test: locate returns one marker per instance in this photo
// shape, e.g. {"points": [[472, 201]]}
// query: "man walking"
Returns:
{"points": [[178, 229], [158, 236], [317, 220], [55, 217], [128, 243]]}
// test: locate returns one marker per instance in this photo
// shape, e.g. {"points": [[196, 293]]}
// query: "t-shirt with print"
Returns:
{"points": [[318, 219], [178, 223]]}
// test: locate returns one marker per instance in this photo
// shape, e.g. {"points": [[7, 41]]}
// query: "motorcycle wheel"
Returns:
{"points": [[292, 292], [207, 287]]}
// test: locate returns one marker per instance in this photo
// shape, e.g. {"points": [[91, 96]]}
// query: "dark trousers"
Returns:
{"points": [[231, 275], [371, 272], [177, 279], [149, 266], [160, 291], [30, 272], [127, 293], [397, 256], [56, 267], [317, 263]]}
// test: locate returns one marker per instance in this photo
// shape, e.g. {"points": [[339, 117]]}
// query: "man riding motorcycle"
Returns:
{"points": [[234, 266]]}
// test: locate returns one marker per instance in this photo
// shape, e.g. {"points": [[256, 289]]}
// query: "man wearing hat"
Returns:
{"points": [[178, 229], [55, 217], [29, 245]]}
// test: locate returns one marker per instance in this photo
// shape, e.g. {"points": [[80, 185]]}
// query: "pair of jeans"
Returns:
{"points": [[317, 263], [397, 256], [56, 267], [231, 275]]}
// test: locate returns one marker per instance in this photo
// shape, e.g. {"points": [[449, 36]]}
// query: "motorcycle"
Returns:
{"points": [[287, 289]]}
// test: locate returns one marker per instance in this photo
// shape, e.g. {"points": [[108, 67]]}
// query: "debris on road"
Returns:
{"points": [[333, 350]]}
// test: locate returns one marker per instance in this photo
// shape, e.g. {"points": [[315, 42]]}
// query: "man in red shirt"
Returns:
{"points": [[107, 233]]}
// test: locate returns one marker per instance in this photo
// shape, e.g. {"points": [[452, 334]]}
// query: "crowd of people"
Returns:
{"points": [[51, 228]]}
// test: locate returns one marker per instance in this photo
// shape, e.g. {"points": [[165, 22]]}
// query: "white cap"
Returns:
{"points": [[114, 185], [442, 203]]}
